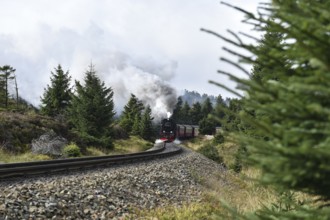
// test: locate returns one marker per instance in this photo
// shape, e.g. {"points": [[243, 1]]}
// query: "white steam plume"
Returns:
{"points": [[150, 88]]}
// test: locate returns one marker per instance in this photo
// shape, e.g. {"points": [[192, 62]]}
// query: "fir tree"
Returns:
{"points": [[231, 122], [207, 126], [57, 96], [287, 102], [185, 114], [146, 128], [136, 124], [196, 113], [92, 110], [219, 110], [207, 107], [177, 110], [131, 114]]}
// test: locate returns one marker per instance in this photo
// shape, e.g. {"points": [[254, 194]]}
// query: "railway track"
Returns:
{"points": [[58, 165]]}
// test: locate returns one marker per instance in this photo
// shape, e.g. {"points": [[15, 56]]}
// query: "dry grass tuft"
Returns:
{"points": [[131, 145], [25, 157]]}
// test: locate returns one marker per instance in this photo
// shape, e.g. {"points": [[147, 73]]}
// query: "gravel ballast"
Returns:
{"points": [[107, 193]]}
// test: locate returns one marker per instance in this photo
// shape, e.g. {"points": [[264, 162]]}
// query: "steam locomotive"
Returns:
{"points": [[171, 131]]}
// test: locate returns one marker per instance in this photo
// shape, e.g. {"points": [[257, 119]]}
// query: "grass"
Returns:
{"points": [[94, 151], [228, 150], [131, 145], [25, 157], [123, 146], [195, 143], [193, 211]]}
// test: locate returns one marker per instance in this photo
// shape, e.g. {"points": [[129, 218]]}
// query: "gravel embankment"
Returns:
{"points": [[107, 193]]}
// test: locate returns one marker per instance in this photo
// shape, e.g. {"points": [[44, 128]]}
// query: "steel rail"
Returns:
{"points": [[50, 166]]}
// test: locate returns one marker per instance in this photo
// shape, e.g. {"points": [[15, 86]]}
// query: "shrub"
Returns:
{"points": [[211, 152], [71, 150], [89, 140], [207, 126], [240, 159], [119, 132], [218, 139]]}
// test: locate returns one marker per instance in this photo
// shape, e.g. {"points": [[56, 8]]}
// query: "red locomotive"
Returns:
{"points": [[168, 130]]}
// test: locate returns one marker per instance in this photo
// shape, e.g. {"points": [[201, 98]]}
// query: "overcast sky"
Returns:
{"points": [[133, 44]]}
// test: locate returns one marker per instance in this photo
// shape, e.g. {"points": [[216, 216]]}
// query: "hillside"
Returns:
{"points": [[17, 130]]}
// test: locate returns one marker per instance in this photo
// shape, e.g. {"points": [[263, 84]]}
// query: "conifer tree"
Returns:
{"points": [[220, 109], [131, 114], [207, 126], [196, 113], [177, 110], [146, 128], [57, 95], [136, 125], [287, 101], [92, 110], [207, 107], [185, 114], [231, 122], [6, 74]]}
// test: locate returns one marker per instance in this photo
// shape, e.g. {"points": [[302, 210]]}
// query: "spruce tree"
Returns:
{"points": [[207, 126], [196, 113], [219, 110], [287, 102], [136, 125], [177, 110], [131, 114], [57, 95], [146, 127], [92, 110], [207, 107], [185, 114], [231, 122]]}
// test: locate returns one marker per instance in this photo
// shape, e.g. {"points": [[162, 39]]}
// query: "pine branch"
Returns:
{"points": [[221, 37], [239, 55], [226, 88], [249, 14], [236, 65]]}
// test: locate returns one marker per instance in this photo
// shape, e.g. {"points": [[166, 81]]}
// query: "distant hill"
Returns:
{"points": [[192, 97]]}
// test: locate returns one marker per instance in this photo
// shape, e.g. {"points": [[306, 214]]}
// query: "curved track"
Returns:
{"points": [[49, 166]]}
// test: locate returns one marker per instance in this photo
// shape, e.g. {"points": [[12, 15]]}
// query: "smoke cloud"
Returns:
{"points": [[150, 87]]}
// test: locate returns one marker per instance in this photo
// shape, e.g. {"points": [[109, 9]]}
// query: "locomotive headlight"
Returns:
{"points": [[171, 132]]}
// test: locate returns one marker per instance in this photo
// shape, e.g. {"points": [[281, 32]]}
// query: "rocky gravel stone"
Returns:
{"points": [[107, 193]]}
